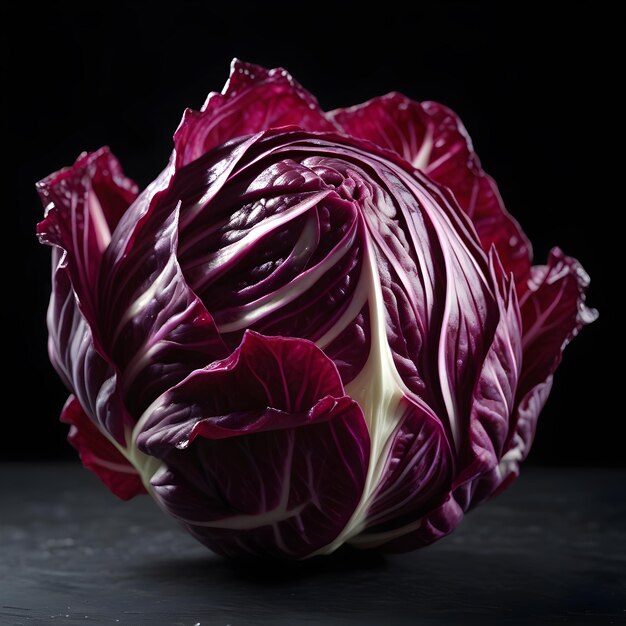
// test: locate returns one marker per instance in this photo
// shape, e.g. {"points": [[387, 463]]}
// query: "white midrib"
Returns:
{"points": [[144, 465], [422, 158], [379, 392]]}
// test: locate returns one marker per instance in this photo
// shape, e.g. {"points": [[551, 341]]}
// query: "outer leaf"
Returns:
{"points": [[84, 370], [433, 139], [254, 99], [264, 454], [553, 311], [425, 489], [99, 455], [83, 204], [262, 374], [418, 469]]}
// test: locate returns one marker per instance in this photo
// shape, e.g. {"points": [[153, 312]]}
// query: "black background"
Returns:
{"points": [[527, 85]]}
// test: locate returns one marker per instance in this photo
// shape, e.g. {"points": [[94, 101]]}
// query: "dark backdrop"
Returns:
{"points": [[526, 84]]}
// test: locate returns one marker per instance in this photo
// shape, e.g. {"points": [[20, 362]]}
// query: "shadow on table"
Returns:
{"points": [[433, 586], [262, 572]]}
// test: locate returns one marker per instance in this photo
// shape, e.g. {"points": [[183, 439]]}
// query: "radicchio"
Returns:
{"points": [[313, 328]]}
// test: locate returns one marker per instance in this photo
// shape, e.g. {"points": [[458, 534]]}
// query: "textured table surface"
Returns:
{"points": [[551, 550]]}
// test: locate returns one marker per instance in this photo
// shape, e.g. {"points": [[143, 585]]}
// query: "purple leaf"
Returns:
{"points": [[433, 139], [553, 311], [254, 99], [84, 204], [99, 455], [264, 453]]}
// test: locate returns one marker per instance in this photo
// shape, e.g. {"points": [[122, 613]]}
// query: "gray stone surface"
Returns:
{"points": [[552, 550]]}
